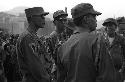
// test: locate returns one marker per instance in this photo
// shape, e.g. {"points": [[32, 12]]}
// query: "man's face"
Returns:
{"points": [[60, 23], [92, 22], [110, 29], [39, 20]]}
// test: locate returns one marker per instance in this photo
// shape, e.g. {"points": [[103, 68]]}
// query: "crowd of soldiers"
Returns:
{"points": [[9, 68], [74, 52]]}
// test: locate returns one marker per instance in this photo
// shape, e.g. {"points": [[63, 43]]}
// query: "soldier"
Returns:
{"points": [[57, 37], [31, 50], [60, 19], [121, 25], [116, 47], [83, 57]]}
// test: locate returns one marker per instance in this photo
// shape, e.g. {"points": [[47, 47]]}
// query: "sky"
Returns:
{"points": [[108, 8]]}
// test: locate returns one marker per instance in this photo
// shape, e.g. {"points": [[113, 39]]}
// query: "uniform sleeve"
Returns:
{"points": [[31, 62], [21, 57], [61, 71]]}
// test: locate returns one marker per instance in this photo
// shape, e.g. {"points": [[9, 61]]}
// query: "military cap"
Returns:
{"points": [[35, 11], [59, 13], [110, 20], [83, 9], [121, 20]]}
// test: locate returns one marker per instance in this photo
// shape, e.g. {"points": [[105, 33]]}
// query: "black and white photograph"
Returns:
{"points": [[62, 41]]}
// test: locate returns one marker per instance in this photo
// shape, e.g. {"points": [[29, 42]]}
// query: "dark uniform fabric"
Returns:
{"points": [[78, 60], [31, 58], [54, 41], [117, 51]]}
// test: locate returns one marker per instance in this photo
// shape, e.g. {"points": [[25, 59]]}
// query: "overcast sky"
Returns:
{"points": [[108, 8]]}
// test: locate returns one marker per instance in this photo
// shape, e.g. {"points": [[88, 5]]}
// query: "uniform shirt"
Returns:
{"points": [[116, 50], [54, 41], [77, 60], [31, 57]]}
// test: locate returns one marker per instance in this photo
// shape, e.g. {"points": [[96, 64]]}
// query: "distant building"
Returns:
{"points": [[5, 20], [18, 24]]}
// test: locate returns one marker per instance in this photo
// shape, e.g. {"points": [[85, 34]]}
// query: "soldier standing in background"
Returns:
{"points": [[83, 57], [31, 50], [116, 46], [121, 25], [57, 37]]}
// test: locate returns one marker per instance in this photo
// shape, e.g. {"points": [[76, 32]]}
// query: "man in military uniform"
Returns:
{"points": [[57, 37], [116, 46], [60, 19], [30, 49], [121, 25], [83, 57]]}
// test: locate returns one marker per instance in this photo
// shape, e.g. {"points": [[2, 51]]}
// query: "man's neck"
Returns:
{"points": [[32, 29]]}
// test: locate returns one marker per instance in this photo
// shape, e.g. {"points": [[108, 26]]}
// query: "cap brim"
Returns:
{"points": [[97, 13], [62, 14], [45, 13], [105, 23], [65, 14]]}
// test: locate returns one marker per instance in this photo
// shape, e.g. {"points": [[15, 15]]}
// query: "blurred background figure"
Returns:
{"points": [[121, 25], [116, 47]]}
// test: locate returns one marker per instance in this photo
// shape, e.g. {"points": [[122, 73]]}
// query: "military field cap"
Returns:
{"points": [[83, 9], [110, 20], [35, 11], [121, 20], [59, 13]]}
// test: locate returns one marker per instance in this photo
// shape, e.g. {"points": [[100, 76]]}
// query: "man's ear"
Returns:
{"points": [[85, 19]]}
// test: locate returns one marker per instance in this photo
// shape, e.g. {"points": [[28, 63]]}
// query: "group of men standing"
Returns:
{"points": [[82, 56], [9, 68]]}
